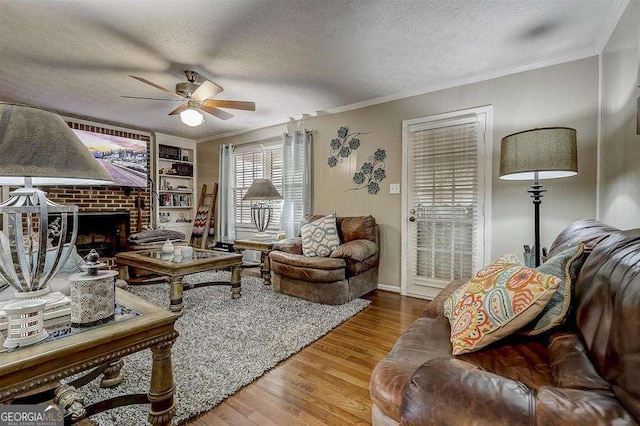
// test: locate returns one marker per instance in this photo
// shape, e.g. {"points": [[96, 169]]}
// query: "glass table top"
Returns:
{"points": [[61, 328], [197, 254]]}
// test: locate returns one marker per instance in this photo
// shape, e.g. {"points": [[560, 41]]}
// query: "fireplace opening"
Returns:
{"points": [[106, 232]]}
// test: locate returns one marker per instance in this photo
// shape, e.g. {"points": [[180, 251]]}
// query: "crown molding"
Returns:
{"points": [[610, 24], [490, 75]]}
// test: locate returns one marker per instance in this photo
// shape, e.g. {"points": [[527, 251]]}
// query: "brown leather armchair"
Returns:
{"points": [[349, 272], [585, 373]]}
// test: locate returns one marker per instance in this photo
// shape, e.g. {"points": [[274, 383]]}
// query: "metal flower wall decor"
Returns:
{"points": [[371, 173], [342, 146]]}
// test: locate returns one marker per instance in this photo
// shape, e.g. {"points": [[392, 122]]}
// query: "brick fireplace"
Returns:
{"points": [[106, 232], [112, 199]]}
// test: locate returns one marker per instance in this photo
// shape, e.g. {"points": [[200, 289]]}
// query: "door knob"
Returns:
{"points": [[412, 219]]}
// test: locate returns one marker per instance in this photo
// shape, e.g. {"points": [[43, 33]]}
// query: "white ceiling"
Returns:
{"points": [[289, 57]]}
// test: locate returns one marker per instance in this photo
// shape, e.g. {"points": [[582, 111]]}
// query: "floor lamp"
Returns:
{"points": [[537, 154]]}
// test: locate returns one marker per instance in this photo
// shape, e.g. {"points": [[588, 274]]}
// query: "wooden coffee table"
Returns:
{"points": [[137, 325], [176, 268]]}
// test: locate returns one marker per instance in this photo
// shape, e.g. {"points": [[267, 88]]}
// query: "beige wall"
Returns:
{"points": [[620, 146], [561, 95]]}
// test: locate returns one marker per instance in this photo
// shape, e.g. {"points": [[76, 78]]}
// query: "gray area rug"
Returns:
{"points": [[223, 345]]}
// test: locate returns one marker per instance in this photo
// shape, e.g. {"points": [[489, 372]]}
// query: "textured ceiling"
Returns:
{"points": [[289, 57]]}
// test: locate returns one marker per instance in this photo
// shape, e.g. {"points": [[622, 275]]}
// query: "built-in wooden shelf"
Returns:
{"points": [[175, 176], [176, 191], [169, 160]]}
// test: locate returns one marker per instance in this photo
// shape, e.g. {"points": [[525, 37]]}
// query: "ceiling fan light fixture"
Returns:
{"points": [[192, 117]]}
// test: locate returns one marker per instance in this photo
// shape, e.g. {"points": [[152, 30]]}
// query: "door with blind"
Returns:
{"points": [[445, 204]]}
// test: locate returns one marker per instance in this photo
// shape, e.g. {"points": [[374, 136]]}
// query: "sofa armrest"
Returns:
{"points": [[289, 245], [450, 391], [356, 250], [435, 308]]}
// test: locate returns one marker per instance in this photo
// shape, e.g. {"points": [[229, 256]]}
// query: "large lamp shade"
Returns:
{"points": [[261, 191], [38, 144], [551, 152], [536, 154]]}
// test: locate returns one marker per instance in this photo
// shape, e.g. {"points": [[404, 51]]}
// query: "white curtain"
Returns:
{"points": [[296, 181], [226, 220]]}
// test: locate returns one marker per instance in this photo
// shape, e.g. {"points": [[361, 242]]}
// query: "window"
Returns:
{"points": [[254, 161]]}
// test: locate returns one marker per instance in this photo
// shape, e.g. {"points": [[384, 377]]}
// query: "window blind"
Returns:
{"points": [[251, 162], [444, 170]]}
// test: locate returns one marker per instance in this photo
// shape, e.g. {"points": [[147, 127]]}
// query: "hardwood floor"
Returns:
{"points": [[327, 383]]}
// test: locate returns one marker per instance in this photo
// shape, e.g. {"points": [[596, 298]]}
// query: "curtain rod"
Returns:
{"points": [[300, 131]]}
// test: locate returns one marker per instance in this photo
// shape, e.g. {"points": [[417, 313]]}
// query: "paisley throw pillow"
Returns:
{"points": [[500, 299]]}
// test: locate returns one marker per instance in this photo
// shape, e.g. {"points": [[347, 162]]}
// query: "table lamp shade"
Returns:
{"points": [[552, 152], [38, 144], [262, 189]]}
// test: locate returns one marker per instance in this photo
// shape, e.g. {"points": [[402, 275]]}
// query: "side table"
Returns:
{"points": [[264, 247]]}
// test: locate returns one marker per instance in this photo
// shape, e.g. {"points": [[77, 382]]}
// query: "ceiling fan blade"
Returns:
{"points": [[152, 99], [144, 80], [246, 106], [179, 109], [206, 90], [223, 115]]}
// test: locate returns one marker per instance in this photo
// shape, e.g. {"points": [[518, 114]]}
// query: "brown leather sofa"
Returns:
{"points": [[349, 272], [587, 373]]}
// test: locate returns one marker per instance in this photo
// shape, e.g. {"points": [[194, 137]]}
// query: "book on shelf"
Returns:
{"points": [[169, 152], [174, 200]]}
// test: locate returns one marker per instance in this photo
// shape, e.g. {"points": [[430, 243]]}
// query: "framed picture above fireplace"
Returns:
{"points": [[125, 159]]}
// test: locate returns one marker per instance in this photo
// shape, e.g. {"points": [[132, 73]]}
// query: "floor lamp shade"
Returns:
{"points": [[551, 152], [536, 154]]}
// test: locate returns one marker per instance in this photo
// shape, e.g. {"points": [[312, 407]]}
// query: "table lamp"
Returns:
{"points": [[38, 148], [537, 154], [262, 191]]}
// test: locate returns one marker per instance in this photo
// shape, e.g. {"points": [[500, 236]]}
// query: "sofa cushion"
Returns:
{"points": [[496, 302], [517, 358], [306, 262], [351, 227], [356, 250], [571, 365], [565, 265], [320, 237], [319, 269]]}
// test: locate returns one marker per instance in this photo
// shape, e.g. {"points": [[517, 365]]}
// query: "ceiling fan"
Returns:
{"points": [[197, 91]]}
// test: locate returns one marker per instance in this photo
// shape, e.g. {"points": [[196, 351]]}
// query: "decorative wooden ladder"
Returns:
{"points": [[201, 233]]}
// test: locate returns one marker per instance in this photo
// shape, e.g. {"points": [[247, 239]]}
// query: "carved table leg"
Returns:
{"points": [[175, 295], [235, 282], [71, 401], [162, 388], [266, 268], [112, 376]]}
